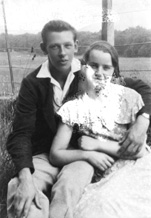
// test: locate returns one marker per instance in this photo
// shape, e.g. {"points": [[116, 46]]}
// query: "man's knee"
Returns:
{"points": [[69, 187], [34, 211], [77, 168], [75, 176], [13, 182], [42, 212], [11, 190]]}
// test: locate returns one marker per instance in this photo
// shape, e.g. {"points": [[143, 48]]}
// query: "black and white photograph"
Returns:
{"points": [[75, 107]]}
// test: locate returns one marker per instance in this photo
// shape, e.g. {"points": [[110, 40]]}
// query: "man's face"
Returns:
{"points": [[60, 48]]}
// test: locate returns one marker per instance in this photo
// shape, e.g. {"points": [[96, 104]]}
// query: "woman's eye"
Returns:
{"points": [[107, 67]]}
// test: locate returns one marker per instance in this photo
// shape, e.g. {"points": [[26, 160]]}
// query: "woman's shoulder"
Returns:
{"points": [[71, 102], [126, 93], [72, 111], [71, 107], [128, 101]]}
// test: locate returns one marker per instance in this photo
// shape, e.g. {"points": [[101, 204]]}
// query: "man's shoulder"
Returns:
{"points": [[130, 82], [137, 84], [32, 81], [33, 74]]}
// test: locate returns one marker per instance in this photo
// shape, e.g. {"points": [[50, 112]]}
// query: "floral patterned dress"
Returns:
{"points": [[124, 191]]}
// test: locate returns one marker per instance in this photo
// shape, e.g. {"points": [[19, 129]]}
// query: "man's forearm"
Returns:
{"points": [[18, 143], [143, 122], [132, 143], [143, 89]]}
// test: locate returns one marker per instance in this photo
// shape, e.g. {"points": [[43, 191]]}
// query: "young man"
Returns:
{"points": [[35, 125]]}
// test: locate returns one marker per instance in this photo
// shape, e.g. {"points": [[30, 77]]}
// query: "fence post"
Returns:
{"points": [[107, 22], [8, 52]]}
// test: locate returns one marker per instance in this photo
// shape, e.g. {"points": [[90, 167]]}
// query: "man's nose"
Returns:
{"points": [[62, 50]]}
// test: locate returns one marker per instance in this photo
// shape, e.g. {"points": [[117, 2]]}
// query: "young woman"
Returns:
{"points": [[105, 111]]}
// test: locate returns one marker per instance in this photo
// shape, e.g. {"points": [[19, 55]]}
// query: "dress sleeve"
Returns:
{"points": [[130, 104], [138, 104], [67, 113]]}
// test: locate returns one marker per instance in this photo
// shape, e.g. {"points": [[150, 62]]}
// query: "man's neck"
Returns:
{"points": [[60, 77]]}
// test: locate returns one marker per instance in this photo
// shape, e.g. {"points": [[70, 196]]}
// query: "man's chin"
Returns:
{"points": [[64, 69]]}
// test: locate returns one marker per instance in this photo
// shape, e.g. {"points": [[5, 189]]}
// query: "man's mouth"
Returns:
{"points": [[63, 61]]}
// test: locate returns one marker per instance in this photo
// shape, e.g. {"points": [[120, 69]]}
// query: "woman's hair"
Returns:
{"points": [[57, 26], [107, 48]]}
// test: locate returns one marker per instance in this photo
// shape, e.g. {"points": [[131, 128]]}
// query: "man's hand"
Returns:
{"points": [[134, 139], [25, 194], [99, 160]]}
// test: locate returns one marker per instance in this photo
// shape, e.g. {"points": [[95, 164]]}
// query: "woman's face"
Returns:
{"points": [[99, 69]]}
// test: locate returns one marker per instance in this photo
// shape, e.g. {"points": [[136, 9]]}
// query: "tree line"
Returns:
{"points": [[132, 42]]}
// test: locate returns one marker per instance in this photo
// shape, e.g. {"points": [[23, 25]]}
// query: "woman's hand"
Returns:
{"points": [[100, 160]]}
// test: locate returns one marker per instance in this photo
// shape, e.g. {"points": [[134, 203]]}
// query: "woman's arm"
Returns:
{"points": [[60, 153], [92, 144], [109, 147]]}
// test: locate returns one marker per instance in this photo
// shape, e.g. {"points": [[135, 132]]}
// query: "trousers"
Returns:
{"points": [[59, 190]]}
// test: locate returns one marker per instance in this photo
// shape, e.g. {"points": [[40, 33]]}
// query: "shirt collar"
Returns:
{"points": [[45, 73]]}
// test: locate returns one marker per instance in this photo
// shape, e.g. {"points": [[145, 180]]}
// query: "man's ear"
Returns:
{"points": [[76, 43], [43, 48]]}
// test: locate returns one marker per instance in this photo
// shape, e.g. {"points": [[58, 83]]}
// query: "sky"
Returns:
{"points": [[29, 16]]}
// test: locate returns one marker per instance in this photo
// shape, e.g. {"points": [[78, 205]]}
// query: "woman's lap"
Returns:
{"points": [[124, 192]]}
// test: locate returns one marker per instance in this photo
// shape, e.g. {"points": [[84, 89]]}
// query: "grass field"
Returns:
{"points": [[136, 68], [22, 64]]}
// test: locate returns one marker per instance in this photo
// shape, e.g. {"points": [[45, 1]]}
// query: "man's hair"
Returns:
{"points": [[57, 26]]}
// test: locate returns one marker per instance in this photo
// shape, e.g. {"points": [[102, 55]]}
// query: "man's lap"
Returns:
{"points": [[74, 176], [45, 174]]}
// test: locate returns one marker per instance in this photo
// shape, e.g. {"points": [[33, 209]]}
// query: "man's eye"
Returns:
{"points": [[54, 47], [93, 66], [68, 45]]}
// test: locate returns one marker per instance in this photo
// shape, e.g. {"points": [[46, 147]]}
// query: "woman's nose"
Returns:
{"points": [[99, 71]]}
